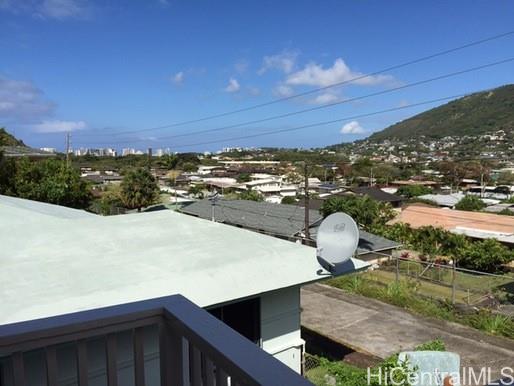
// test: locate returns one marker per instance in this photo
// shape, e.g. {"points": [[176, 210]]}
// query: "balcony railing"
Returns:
{"points": [[192, 348]]}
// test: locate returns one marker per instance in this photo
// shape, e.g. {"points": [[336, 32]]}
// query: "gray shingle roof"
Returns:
{"points": [[278, 219], [377, 194], [368, 242]]}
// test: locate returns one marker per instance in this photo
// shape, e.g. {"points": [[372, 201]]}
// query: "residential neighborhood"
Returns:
{"points": [[256, 193]]}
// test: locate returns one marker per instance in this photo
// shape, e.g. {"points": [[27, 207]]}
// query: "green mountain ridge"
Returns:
{"points": [[475, 114], [7, 139]]}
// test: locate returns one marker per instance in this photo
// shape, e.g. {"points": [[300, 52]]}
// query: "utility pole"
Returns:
{"points": [[68, 140], [149, 158], [306, 188], [175, 187], [482, 187]]}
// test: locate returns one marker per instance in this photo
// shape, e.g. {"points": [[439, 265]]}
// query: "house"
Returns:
{"points": [[266, 186], [472, 224], [329, 188], [88, 276], [378, 194], [416, 181], [444, 200], [283, 221], [498, 208]]}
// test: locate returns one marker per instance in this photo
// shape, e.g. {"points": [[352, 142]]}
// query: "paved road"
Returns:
{"points": [[372, 327]]}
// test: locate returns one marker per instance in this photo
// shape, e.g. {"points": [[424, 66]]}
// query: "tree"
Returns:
{"points": [[487, 255], [470, 203], [288, 200], [169, 161], [244, 177], [51, 181], [368, 213], [7, 175], [362, 167], [138, 189], [110, 201], [251, 195], [196, 191], [410, 191], [385, 173], [506, 178], [189, 167]]}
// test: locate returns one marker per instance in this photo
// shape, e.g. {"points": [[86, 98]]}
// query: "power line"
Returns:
{"points": [[272, 132], [315, 90], [378, 93]]}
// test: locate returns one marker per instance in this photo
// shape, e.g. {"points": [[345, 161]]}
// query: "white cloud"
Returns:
{"points": [[254, 91], [403, 103], [283, 91], [315, 75], [47, 9], [325, 98], [233, 85], [59, 126], [352, 127], [21, 100], [62, 9], [285, 62], [241, 66], [178, 78]]}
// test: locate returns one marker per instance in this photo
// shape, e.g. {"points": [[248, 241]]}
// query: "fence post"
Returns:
{"points": [[454, 282], [397, 268]]}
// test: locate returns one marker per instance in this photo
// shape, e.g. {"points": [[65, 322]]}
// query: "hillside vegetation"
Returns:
{"points": [[476, 114], [7, 139]]}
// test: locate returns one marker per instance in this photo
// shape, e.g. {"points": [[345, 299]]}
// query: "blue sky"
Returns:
{"points": [[104, 68]]}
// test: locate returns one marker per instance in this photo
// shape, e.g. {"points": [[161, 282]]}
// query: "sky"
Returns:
{"points": [[113, 73]]}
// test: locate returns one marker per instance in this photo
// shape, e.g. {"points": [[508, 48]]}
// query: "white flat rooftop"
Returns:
{"points": [[56, 260]]}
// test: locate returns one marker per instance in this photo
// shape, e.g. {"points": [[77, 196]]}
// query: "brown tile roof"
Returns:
{"points": [[418, 215]]}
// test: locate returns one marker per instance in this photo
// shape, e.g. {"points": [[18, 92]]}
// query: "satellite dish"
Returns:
{"points": [[337, 240]]}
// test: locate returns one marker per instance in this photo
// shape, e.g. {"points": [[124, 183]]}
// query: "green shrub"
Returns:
{"points": [[493, 324], [410, 191], [470, 203], [288, 200], [251, 195], [433, 345]]}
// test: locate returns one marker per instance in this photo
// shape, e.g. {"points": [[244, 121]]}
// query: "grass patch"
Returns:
{"points": [[406, 294], [330, 373]]}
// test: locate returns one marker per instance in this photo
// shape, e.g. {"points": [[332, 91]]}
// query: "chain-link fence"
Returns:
{"points": [[310, 362], [450, 283]]}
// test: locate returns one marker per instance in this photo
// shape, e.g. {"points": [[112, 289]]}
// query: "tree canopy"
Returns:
{"points": [[7, 175], [410, 191], [138, 189], [367, 212], [51, 181]]}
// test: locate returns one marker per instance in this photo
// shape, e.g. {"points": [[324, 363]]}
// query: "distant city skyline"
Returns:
{"points": [[110, 73]]}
